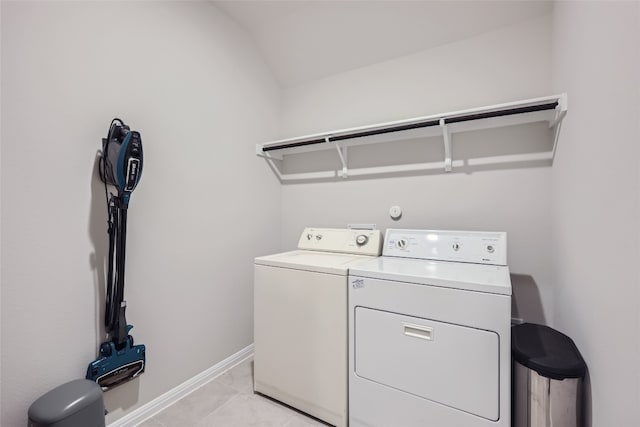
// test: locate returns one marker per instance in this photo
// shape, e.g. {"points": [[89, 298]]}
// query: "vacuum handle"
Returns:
{"points": [[121, 334], [115, 321], [109, 314]]}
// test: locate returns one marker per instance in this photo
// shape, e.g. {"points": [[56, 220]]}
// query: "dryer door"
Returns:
{"points": [[453, 365]]}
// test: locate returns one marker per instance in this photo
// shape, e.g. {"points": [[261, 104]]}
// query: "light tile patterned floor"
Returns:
{"points": [[229, 401]]}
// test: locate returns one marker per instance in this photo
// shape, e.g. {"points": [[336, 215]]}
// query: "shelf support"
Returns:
{"points": [[556, 123], [267, 154], [342, 152], [447, 145]]}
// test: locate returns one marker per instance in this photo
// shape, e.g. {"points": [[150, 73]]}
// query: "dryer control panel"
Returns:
{"points": [[462, 246], [342, 240]]}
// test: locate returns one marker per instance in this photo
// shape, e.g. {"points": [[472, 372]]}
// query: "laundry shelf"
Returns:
{"points": [[550, 109]]}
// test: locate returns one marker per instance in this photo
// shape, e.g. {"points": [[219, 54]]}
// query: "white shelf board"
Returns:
{"points": [[443, 124]]}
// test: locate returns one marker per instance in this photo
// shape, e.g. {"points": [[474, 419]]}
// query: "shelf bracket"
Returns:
{"points": [[447, 145], [267, 155], [556, 123], [342, 152]]}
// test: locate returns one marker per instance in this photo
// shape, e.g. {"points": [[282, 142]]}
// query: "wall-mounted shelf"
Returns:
{"points": [[550, 109]]}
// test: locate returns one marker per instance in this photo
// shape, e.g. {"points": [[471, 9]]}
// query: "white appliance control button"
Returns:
{"points": [[319, 237], [309, 236], [456, 247], [490, 249], [361, 239], [402, 243]]}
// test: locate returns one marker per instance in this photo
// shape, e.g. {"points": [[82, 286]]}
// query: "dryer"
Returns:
{"points": [[300, 320], [429, 332]]}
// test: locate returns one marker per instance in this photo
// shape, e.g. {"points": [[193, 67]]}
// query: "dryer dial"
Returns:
{"points": [[362, 239]]}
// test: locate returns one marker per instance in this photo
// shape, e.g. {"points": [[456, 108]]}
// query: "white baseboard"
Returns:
{"points": [[162, 402]]}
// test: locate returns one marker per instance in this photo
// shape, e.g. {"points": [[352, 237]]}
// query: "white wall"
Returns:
{"points": [[505, 65], [596, 208], [191, 82]]}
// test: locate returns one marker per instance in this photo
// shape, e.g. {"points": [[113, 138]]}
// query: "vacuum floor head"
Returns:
{"points": [[116, 367]]}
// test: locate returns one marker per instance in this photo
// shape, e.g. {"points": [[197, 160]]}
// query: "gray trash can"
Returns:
{"points": [[77, 403], [547, 377]]}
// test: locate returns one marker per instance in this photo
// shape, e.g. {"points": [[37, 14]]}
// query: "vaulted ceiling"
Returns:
{"points": [[308, 40]]}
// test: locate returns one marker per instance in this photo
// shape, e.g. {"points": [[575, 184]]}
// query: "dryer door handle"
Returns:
{"points": [[418, 331]]}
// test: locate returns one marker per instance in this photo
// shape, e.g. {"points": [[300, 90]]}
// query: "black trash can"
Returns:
{"points": [[548, 371], [77, 403]]}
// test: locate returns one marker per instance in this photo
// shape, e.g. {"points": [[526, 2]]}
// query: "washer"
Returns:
{"points": [[429, 332], [300, 320]]}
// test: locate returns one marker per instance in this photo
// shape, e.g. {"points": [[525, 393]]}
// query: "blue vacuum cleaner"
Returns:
{"points": [[120, 166]]}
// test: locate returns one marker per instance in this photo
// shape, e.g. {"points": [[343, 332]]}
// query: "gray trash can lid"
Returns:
{"points": [[64, 401], [548, 352]]}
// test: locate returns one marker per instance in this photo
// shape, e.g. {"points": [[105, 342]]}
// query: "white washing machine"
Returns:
{"points": [[429, 332], [300, 320]]}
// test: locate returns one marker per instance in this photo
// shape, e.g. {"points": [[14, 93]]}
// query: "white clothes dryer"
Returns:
{"points": [[429, 332], [300, 320]]}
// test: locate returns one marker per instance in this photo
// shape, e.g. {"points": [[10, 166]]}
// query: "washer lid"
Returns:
{"points": [[321, 262], [457, 275]]}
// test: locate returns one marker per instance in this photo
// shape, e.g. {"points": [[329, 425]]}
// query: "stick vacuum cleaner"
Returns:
{"points": [[120, 166]]}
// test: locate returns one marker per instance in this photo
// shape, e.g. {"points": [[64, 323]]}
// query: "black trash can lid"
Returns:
{"points": [[548, 352]]}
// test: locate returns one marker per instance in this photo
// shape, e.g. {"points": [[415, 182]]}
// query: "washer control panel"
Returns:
{"points": [[343, 240], [462, 246]]}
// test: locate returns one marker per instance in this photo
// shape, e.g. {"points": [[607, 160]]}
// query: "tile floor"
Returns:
{"points": [[229, 401]]}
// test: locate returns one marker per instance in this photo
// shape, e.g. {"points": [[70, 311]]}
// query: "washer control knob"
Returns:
{"points": [[309, 236], [456, 247], [319, 237], [490, 249], [402, 243], [361, 239]]}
